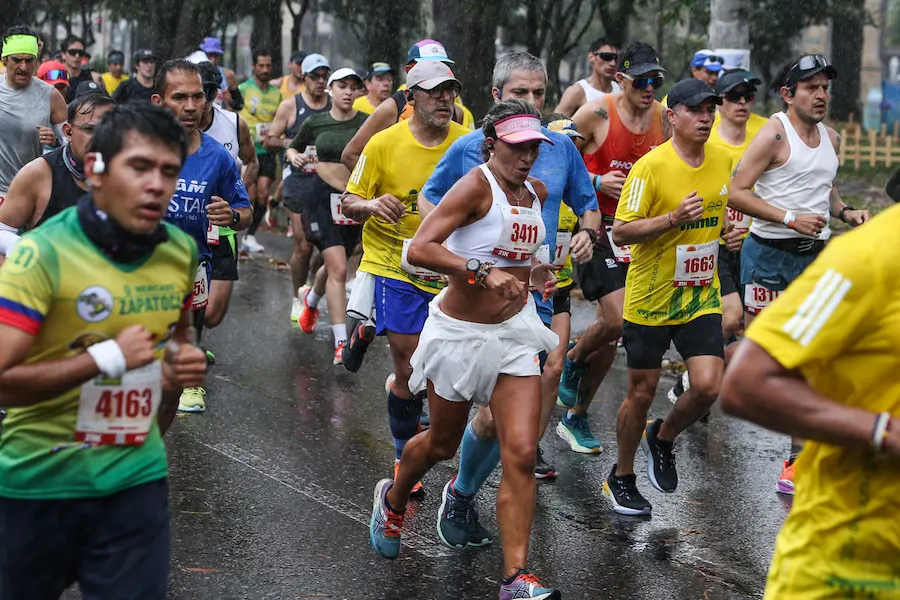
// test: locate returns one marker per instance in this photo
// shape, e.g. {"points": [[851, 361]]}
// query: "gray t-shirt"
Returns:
{"points": [[21, 111]]}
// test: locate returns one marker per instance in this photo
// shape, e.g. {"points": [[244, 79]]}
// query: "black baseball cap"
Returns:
{"points": [[729, 81], [809, 66], [640, 60], [691, 93], [116, 58], [144, 54], [298, 56], [89, 87]]}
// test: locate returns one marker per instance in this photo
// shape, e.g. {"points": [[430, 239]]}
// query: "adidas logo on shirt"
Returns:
{"points": [[724, 190]]}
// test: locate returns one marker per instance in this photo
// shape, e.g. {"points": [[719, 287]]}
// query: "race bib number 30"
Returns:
{"points": [[119, 411], [695, 264], [419, 273], [740, 220], [757, 297], [337, 213]]}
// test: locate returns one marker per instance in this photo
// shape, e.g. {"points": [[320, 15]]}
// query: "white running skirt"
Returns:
{"points": [[463, 360]]}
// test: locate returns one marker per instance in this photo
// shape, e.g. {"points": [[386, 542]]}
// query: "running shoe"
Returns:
{"points": [[681, 386], [457, 523], [355, 349], [389, 382], [418, 491], [338, 354], [308, 316], [570, 381], [250, 245], [526, 585], [660, 458], [192, 400], [210, 357], [385, 526], [624, 495], [297, 304], [577, 432], [272, 216], [786, 479], [290, 231], [543, 469]]}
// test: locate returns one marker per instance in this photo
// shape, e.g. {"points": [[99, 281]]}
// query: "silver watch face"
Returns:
{"points": [[472, 264]]}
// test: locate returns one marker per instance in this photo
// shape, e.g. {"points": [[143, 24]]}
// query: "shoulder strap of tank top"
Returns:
{"points": [[400, 100], [788, 128], [535, 199], [495, 185]]}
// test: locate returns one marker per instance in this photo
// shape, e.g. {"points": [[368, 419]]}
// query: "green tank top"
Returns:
{"points": [[328, 135]]}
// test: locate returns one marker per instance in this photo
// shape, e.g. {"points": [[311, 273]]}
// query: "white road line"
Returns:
{"points": [[421, 544]]}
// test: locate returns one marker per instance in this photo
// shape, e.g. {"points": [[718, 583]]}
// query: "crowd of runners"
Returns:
{"points": [[690, 221]]}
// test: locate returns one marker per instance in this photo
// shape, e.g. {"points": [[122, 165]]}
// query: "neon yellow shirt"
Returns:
{"points": [[111, 82], [364, 105], [657, 184], [394, 162], [567, 222], [838, 324], [59, 287], [735, 154], [259, 110]]}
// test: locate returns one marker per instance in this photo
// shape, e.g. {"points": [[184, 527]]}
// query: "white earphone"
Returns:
{"points": [[99, 165]]}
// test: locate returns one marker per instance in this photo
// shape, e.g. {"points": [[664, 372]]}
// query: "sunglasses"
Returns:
{"points": [[437, 93], [715, 59], [642, 83], [315, 77], [56, 75], [736, 96], [75, 52], [812, 61], [606, 56]]}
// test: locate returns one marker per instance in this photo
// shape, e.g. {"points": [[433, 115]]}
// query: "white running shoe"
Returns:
{"points": [[251, 245]]}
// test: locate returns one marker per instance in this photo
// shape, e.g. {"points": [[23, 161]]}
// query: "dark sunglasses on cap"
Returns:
{"points": [[736, 95], [811, 61], [642, 83], [56, 75], [606, 56], [75, 52]]}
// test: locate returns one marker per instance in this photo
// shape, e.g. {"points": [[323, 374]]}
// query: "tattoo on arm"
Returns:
{"points": [[600, 112], [838, 137], [736, 167], [778, 136]]}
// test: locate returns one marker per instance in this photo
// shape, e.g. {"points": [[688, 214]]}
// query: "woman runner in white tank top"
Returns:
{"points": [[482, 340]]}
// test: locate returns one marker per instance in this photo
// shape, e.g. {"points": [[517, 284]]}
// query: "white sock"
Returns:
{"points": [[340, 333], [312, 298], [570, 414]]}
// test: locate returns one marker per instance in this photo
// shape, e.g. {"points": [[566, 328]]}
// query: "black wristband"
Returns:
{"points": [[591, 234], [843, 210]]}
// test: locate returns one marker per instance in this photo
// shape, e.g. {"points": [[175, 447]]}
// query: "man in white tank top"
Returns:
{"points": [[604, 58], [785, 181]]}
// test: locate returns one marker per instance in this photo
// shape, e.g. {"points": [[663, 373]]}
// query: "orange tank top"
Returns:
{"points": [[621, 150]]}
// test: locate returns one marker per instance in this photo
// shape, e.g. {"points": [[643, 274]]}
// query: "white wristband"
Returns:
{"points": [[879, 432], [109, 358], [789, 218]]}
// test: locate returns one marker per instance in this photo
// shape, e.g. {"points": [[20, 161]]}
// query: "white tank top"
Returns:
{"points": [[803, 184], [591, 93], [224, 129], [507, 235]]}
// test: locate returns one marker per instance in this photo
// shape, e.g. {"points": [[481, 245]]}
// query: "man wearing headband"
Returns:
{"points": [[672, 212], [521, 76], [785, 181], [116, 74], [44, 188], [604, 59], [73, 54], [29, 108], [379, 83]]}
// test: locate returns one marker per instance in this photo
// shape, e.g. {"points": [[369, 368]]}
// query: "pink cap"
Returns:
{"points": [[520, 128]]}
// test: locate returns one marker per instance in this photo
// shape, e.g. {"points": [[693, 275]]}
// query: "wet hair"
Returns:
{"points": [[178, 65], [19, 30], [72, 39], [148, 120], [515, 61], [261, 51], [633, 49], [600, 42], [85, 104], [503, 110]]}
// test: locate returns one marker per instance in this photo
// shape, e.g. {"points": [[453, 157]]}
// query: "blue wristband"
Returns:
{"points": [[597, 180]]}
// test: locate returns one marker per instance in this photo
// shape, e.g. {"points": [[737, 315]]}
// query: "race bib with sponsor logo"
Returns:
{"points": [[695, 264], [522, 232], [420, 273]]}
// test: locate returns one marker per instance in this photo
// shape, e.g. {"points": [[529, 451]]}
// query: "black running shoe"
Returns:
{"points": [[624, 495], [660, 459], [457, 523], [543, 469], [355, 349]]}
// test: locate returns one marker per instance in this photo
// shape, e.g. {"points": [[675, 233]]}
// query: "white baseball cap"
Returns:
{"points": [[343, 73]]}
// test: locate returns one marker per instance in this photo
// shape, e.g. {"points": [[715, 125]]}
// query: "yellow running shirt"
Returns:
{"points": [[567, 222], [286, 91], [259, 110], [393, 162], [364, 105], [111, 83], [672, 279], [839, 325]]}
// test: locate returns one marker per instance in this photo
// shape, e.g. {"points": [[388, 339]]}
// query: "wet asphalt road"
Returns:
{"points": [[271, 489]]}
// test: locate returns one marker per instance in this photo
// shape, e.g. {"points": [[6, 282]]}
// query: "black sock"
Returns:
{"points": [[198, 317], [795, 452], [259, 211]]}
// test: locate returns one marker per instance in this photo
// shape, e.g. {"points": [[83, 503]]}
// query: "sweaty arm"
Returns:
{"points": [[27, 197], [571, 99], [58, 108], [247, 152], [279, 125], [839, 209], [762, 153], [384, 116]]}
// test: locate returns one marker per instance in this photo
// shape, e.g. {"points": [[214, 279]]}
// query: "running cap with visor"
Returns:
{"points": [[427, 50], [809, 66], [428, 74], [729, 81], [566, 127], [639, 62], [519, 129], [313, 62], [378, 68], [343, 73], [53, 72], [707, 59], [691, 93], [211, 45], [144, 54], [89, 87]]}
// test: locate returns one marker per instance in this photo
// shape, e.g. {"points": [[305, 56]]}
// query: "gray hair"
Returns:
{"points": [[503, 110], [514, 61]]}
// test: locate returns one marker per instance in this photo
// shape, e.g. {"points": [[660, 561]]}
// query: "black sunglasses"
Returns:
{"points": [[736, 95], [812, 61], [607, 56], [75, 52]]}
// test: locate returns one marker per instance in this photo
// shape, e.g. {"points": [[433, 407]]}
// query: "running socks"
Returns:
{"points": [[259, 211], [340, 333], [478, 457], [403, 416], [312, 299]]}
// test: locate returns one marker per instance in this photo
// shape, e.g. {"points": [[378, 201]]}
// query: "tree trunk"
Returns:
{"points": [[471, 43], [382, 39], [615, 15], [846, 55], [726, 28], [267, 31]]}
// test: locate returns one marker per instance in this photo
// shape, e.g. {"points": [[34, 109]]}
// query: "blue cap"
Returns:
{"points": [[427, 50], [211, 45], [708, 60], [313, 62]]}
